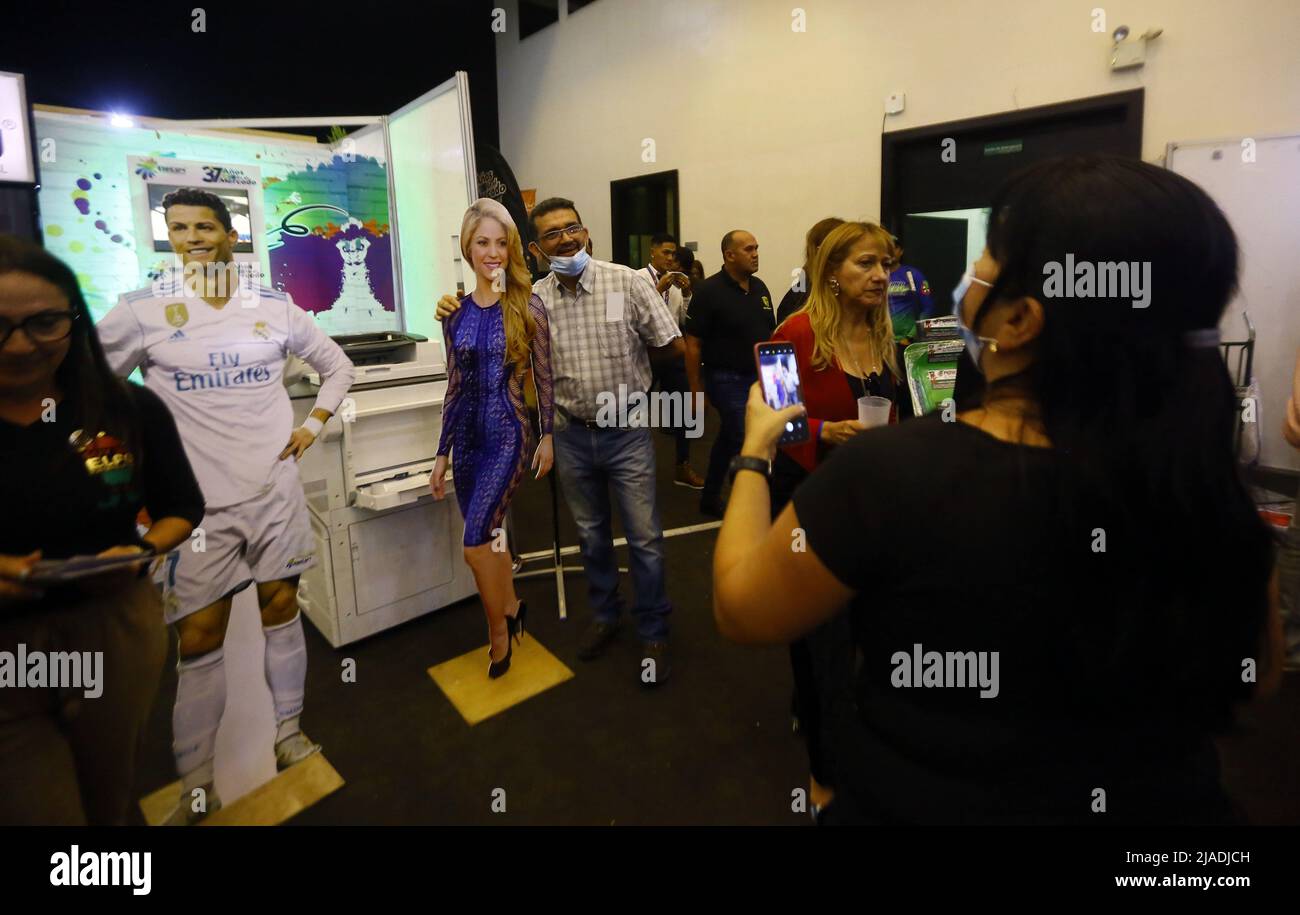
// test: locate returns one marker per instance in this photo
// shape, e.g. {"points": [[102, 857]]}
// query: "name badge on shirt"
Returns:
{"points": [[614, 306]]}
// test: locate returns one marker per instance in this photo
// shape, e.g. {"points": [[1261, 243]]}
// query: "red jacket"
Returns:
{"points": [[826, 392]]}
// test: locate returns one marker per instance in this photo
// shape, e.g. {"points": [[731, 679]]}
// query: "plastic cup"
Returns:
{"points": [[873, 411]]}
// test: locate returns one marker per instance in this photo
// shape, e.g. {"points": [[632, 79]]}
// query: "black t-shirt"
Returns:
{"points": [[71, 500], [953, 541], [787, 473], [729, 321]]}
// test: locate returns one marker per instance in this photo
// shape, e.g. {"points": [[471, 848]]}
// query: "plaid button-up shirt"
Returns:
{"points": [[599, 334]]}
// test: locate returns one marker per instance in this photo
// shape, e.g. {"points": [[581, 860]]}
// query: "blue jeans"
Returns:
{"points": [[728, 392], [589, 463]]}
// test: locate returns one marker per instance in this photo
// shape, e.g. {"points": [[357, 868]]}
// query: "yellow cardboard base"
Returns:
{"points": [[288, 794], [533, 670]]}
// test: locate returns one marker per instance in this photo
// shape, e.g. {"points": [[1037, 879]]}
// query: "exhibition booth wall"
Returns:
{"points": [[316, 220]]}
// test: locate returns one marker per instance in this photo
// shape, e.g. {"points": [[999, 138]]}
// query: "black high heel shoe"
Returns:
{"points": [[515, 624], [497, 668]]}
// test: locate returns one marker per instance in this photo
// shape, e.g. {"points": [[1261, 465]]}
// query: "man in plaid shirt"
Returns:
{"points": [[604, 318]]}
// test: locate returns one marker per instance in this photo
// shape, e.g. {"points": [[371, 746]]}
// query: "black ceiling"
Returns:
{"points": [[270, 59]]}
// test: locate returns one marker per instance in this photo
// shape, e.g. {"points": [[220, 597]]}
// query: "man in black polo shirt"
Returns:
{"points": [[730, 312]]}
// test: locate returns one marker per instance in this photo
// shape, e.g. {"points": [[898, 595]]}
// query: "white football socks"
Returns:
{"points": [[200, 703], [286, 674]]}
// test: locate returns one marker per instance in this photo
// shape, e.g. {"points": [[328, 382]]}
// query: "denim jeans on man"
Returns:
{"points": [[728, 392], [590, 463]]}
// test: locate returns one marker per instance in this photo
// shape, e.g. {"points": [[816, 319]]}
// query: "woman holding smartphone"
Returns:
{"points": [[1088, 654], [81, 453], [844, 350], [500, 330]]}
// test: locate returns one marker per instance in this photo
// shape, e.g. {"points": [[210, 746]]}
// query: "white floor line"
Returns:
{"points": [[622, 541]]}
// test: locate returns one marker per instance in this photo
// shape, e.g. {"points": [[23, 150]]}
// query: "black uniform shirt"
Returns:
{"points": [[729, 321]]}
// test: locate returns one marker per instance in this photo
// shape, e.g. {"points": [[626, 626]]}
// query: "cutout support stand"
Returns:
{"points": [[555, 554]]}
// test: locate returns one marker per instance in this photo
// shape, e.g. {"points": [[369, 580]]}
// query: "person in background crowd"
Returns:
{"points": [[1088, 663], [844, 347], [684, 261], [663, 273], [696, 270], [730, 312], [489, 347], [81, 453], [909, 299], [797, 294], [213, 346], [606, 324], [675, 287]]}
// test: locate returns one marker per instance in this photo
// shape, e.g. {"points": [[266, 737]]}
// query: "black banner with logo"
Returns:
{"points": [[497, 180]]}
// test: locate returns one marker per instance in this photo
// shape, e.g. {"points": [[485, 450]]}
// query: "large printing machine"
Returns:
{"points": [[387, 552]]}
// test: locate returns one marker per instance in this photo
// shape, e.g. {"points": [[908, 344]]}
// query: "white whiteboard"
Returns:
{"points": [[1262, 201]]}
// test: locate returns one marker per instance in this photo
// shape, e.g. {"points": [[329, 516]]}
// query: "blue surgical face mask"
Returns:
{"points": [[974, 342], [570, 266]]}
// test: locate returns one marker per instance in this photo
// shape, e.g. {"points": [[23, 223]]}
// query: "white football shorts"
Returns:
{"points": [[265, 538]]}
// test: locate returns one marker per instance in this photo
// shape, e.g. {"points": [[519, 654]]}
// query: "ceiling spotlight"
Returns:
{"points": [[1120, 33]]}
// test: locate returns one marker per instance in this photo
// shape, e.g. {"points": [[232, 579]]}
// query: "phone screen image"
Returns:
{"points": [[778, 372]]}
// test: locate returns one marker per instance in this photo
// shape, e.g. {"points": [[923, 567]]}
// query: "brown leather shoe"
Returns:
{"points": [[688, 477]]}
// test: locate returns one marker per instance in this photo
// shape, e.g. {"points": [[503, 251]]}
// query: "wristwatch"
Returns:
{"points": [[745, 462]]}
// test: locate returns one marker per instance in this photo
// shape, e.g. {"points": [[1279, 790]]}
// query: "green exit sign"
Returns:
{"points": [[1005, 148]]}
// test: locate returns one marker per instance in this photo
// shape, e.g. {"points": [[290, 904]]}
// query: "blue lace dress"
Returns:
{"points": [[484, 420]]}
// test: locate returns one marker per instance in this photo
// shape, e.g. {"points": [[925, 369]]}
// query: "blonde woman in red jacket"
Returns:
{"points": [[844, 345]]}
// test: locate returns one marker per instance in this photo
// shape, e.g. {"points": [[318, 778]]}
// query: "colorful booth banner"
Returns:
{"points": [[313, 219]]}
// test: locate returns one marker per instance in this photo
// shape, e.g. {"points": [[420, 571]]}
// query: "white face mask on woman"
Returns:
{"points": [[974, 342]]}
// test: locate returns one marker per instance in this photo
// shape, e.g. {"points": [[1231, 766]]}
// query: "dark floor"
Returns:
{"points": [[711, 746]]}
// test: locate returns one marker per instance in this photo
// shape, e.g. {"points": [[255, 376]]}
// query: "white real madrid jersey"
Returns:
{"points": [[220, 371]]}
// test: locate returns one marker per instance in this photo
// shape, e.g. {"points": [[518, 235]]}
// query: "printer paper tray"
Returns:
{"points": [[392, 493]]}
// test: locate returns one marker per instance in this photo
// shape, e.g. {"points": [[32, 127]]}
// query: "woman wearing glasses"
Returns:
{"points": [[1058, 598], [498, 332], [81, 453]]}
